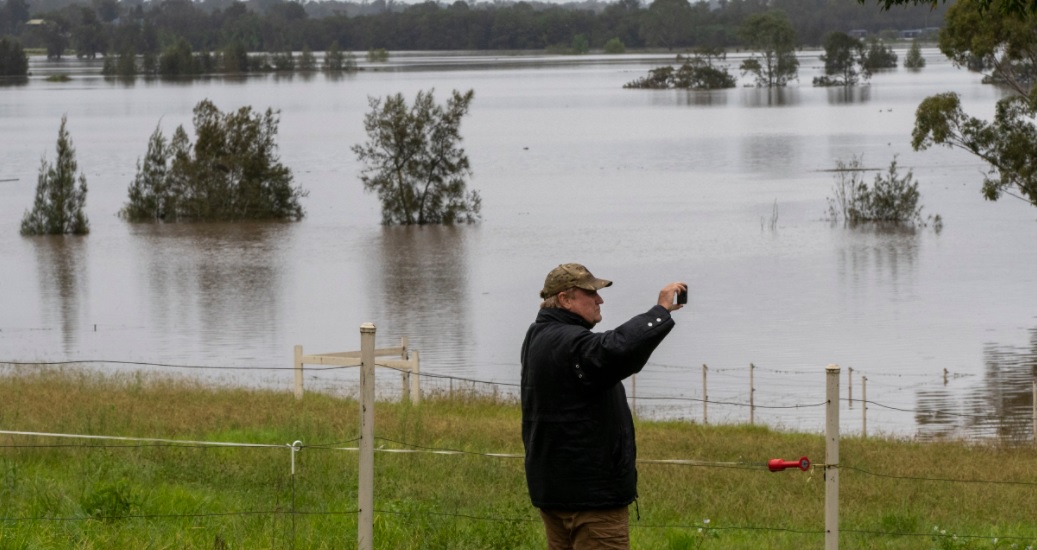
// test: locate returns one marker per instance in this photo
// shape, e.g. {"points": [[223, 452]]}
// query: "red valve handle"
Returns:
{"points": [[778, 465]]}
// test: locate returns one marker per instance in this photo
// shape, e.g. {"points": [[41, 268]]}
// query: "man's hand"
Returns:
{"points": [[668, 293]]}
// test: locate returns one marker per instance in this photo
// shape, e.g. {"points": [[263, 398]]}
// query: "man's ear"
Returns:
{"points": [[564, 299]]}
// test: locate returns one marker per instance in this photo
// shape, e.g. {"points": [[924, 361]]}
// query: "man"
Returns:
{"points": [[576, 425]]}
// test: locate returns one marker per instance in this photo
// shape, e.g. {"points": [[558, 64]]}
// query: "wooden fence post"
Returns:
{"points": [[849, 385], [832, 458], [405, 373], [864, 406], [365, 492], [752, 394], [1035, 411], [298, 372], [415, 381], [705, 396]]}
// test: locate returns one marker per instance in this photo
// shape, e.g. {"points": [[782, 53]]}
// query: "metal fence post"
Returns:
{"points": [[832, 458], [365, 492]]}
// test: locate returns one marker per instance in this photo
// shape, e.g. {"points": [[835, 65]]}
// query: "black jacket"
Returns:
{"points": [[576, 425]]}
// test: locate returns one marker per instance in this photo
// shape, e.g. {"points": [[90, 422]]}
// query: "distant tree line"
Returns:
{"points": [[112, 28]]}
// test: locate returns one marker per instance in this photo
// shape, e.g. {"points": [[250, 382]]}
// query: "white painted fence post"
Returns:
{"points": [[405, 373], [298, 372], [705, 396], [832, 458], [365, 522], [415, 381]]}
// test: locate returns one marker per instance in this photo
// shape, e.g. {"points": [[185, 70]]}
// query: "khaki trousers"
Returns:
{"points": [[587, 529]]}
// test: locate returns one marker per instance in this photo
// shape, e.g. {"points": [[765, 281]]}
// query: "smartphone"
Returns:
{"points": [[682, 296]]}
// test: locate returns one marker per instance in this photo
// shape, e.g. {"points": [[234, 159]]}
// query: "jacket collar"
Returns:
{"points": [[559, 315]]}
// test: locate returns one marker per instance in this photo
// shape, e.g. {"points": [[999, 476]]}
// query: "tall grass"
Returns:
{"points": [[86, 494]]}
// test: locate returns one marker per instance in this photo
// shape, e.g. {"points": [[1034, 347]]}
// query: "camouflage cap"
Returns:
{"points": [[571, 275]]}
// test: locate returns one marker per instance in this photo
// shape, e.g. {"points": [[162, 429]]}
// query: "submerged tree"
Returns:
{"points": [[231, 172], [13, 61], [335, 60], [698, 72], [891, 198], [773, 38], [914, 59], [60, 196], [414, 162], [877, 55], [844, 61]]}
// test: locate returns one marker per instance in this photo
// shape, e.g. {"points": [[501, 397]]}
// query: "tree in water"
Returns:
{"points": [[700, 71], [13, 61], [890, 199], [914, 59], [878, 55], [414, 162], [844, 61], [59, 203], [772, 36], [1006, 46], [231, 172]]}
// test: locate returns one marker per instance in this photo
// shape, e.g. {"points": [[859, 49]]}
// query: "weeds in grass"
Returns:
{"points": [[190, 496]]}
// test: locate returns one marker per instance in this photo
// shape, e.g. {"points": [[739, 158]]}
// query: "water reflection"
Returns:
{"points": [[1001, 407], [770, 97], [765, 152], [422, 274], [11, 81], [843, 95], [61, 269], [879, 255], [223, 279], [703, 98]]}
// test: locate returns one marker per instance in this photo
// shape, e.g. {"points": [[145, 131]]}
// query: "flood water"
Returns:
{"points": [[726, 190]]}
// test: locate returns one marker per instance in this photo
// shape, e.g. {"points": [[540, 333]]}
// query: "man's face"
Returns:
{"points": [[585, 303]]}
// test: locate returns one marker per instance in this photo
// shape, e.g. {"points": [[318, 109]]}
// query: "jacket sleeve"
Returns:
{"points": [[606, 358]]}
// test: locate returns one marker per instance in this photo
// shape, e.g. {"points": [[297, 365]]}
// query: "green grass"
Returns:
{"points": [[86, 494]]}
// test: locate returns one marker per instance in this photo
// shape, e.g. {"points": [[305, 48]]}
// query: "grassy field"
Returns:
{"points": [[93, 494]]}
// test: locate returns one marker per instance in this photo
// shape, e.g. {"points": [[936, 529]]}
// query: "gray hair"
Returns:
{"points": [[552, 301]]}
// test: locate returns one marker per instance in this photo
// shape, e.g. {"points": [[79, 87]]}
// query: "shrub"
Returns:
{"points": [[581, 44], [914, 59], [891, 198], [614, 46], [696, 73], [335, 60]]}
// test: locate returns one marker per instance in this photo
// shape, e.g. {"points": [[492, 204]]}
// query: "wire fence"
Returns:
{"points": [[646, 403], [129, 443], [923, 406]]}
